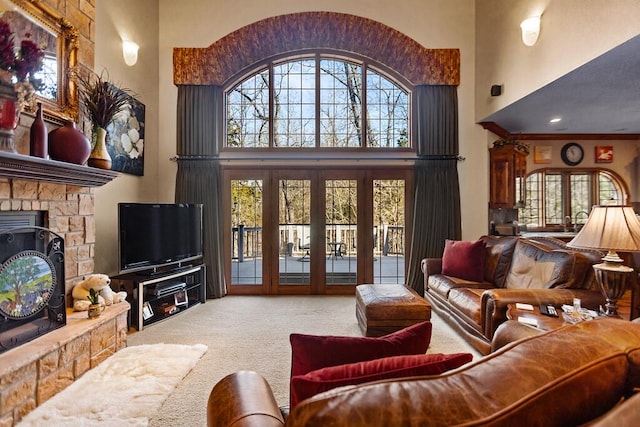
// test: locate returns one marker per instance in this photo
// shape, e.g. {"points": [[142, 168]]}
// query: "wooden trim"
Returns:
{"points": [[503, 133]]}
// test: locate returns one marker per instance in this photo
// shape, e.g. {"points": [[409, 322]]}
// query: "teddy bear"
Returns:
{"points": [[101, 284]]}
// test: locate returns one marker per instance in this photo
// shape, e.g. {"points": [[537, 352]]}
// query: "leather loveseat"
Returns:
{"points": [[573, 375], [516, 270]]}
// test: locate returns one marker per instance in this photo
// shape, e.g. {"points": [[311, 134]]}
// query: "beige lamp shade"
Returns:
{"points": [[611, 228]]}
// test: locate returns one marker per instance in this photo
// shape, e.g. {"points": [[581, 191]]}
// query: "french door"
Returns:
{"points": [[315, 231]]}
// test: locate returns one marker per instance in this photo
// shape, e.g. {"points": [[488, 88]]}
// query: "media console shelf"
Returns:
{"points": [[158, 296]]}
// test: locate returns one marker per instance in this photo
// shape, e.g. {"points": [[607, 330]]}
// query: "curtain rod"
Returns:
{"points": [[442, 157], [193, 157], [263, 159]]}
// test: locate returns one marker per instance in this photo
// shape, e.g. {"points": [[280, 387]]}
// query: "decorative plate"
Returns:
{"points": [[27, 281]]}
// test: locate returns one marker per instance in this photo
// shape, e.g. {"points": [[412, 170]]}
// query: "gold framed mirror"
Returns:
{"points": [[59, 40]]}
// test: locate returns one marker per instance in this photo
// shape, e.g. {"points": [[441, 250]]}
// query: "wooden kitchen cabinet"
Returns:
{"points": [[507, 174]]}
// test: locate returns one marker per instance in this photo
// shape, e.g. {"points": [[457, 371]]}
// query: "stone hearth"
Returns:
{"points": [[34, 372]]}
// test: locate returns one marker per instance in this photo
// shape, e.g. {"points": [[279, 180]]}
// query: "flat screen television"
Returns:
{"points": [[154, 235]]}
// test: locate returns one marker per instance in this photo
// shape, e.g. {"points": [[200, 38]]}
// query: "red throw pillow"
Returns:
{"points": [[305, 386], [464, 260], [311, 352]]}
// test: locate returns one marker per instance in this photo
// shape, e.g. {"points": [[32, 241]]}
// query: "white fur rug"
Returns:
{"points": [[124, 390]]}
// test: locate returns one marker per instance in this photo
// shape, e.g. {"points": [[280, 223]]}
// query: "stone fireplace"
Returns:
{"points": [[62, 194]]}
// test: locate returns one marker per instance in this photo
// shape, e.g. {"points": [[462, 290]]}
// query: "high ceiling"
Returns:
{"points": [[600, 97]]}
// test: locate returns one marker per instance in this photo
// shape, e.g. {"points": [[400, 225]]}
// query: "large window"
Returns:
{"points": [[317, 102], [563, 197], [320, 222]]}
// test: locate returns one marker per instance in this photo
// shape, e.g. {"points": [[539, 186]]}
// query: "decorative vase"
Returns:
{"points": [[100, 157], [68, 144], [9, 115], [95, 310], [38, 135]]}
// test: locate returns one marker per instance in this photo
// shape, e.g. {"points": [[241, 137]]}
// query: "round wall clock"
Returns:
{"points": [[572, 154]]}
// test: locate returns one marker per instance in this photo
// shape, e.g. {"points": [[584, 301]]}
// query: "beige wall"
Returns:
{"points": [[486, 32], [572, 33], [137, 20]]}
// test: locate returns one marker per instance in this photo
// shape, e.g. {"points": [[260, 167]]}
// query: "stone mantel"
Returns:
{"points": [[20, 166]]}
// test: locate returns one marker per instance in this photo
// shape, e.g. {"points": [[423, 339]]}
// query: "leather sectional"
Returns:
{"points": [[572, 375], [516, 270]]}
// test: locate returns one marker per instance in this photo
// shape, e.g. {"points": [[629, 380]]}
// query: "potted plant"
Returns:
{"points": [[95, 309], [101, 101]]}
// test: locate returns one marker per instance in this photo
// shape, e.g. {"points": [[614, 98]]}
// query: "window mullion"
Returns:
{"points": [[363, 105], [272, 94], [317, 106]]}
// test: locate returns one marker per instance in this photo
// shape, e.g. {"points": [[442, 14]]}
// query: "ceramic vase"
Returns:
{"points": [[9, 115], [100, 157], [38, 138], [68, 144]]}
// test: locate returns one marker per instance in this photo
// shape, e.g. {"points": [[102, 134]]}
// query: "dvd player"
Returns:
{"points": [[169, 288]]}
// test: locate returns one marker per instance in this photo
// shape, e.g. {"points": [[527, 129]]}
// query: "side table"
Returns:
{"points": [[545, 323]]}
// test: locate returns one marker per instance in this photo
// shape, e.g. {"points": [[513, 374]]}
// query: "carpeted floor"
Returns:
{"points": [[252, 332]]}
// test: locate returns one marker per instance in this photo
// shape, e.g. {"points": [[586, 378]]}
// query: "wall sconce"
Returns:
{"points": [[530, 30], [130, 52]]}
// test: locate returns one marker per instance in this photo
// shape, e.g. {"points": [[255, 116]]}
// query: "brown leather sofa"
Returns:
{"points": [[533, 271], [570, 376]]}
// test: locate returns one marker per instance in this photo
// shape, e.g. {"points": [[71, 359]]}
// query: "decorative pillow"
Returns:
{"points": [[311, 352], [305, 386], [464, 260]]}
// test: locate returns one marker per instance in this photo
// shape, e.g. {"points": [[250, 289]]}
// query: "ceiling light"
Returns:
{"points": [[130, 52], [555, 120], [530, 30]]}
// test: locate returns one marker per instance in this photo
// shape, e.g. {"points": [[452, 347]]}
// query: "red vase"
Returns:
{"points": [[68, 144], [9, 116], [38, 135]]}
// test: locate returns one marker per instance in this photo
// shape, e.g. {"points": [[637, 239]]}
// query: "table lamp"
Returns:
{"points": [[610, 228]]}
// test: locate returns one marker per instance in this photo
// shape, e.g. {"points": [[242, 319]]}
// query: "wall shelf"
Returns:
{"points": [[19, 166]]}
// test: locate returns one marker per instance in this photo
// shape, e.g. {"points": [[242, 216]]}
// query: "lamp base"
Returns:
{"points": [[612, 281]]}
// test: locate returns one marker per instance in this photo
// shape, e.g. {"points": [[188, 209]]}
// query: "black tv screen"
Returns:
{"points": [[152, 235]]}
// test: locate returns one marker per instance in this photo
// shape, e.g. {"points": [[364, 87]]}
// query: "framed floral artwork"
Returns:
{"points": [[125, 139], [604, 154]]}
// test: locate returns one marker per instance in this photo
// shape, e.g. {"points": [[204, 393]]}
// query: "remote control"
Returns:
{"points": [[548, 310]]}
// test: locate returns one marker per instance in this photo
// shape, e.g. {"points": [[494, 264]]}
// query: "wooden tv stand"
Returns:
{"points": [[156, 296]]}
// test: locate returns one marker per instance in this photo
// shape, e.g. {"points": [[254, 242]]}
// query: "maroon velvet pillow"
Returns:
{"points": [[305, 386], [311, 352], [464, 260]]}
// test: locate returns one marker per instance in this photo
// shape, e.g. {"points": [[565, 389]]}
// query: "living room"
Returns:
{"points": [[486, 32], [471, 27]]}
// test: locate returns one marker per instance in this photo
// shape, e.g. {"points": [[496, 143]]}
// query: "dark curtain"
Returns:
{"points": [[199, 177], [436, 210]]}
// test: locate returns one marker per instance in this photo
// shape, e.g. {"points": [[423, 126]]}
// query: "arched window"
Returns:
{"points": [[564, 197], [317, 102], [345, 222]]}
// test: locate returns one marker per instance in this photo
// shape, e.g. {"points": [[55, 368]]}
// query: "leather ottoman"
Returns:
{"points": [[383, 309]]}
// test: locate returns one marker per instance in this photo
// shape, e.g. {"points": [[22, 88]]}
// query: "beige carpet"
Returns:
{"points": [[252, 332]]}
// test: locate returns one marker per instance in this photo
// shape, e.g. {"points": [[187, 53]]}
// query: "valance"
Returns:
{"points": [[216, 64]]}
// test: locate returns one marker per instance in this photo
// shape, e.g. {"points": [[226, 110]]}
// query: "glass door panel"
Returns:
{"points": [[341, 222], [294, 231], [246, 232], [388, 230]]}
